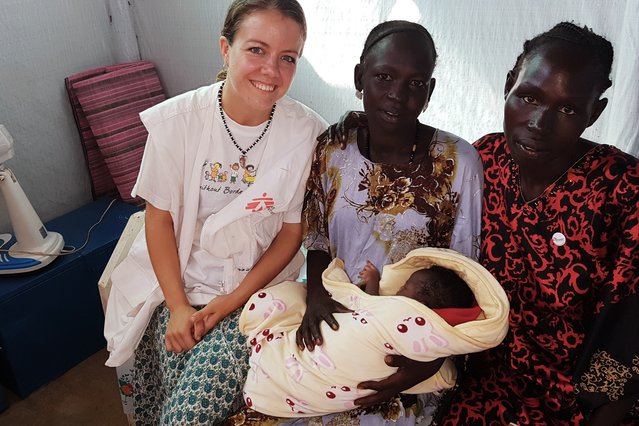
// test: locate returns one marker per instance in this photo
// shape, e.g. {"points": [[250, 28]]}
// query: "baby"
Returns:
{"points": [[285, 381], [438, 288]]}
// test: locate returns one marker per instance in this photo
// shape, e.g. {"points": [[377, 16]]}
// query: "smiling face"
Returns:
{"points": [[549, 104], [395, 78], [261, 64]]}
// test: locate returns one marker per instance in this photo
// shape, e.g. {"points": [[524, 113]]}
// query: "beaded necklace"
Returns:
{"points": [[228, 131]]}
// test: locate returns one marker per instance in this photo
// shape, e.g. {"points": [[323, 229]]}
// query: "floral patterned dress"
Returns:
{"points": [[569, 262], [357, 210]]}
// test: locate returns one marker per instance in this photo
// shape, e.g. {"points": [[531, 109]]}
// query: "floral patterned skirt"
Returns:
{"points": [[201, 386], [403, 410]]}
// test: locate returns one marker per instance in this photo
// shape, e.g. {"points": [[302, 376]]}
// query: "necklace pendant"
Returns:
{"points": [[228, 131]]}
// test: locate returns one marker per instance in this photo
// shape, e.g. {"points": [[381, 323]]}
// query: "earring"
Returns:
{"points": [[359, 94]]}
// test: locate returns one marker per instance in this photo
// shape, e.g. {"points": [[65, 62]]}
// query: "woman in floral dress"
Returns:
{"points": [[397, 185]]}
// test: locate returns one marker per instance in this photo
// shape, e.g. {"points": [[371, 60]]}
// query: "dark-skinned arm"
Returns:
{"points": [[338, 132], [409, 374], [319, 305]]}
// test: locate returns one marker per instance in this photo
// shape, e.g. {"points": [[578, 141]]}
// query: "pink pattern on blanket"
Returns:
{"points": [[420, 332]]}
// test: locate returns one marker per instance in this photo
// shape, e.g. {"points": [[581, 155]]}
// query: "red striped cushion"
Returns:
{"points": [[101, 181], [111, 99]]}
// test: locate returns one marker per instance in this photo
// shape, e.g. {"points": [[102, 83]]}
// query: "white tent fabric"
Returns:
{"points": [[477, 42]]}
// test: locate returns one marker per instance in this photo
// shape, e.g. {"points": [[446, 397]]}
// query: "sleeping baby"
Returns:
{"points": [[438, 288], [434, 303]]}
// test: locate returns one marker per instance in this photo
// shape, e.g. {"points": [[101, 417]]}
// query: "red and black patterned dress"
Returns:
{"points": [[569, 262]]}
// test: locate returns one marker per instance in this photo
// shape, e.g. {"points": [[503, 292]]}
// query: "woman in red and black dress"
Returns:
{"points": [[560, 232]]}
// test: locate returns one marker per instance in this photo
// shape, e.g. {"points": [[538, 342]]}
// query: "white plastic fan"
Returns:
{"points": [[31, 246]]}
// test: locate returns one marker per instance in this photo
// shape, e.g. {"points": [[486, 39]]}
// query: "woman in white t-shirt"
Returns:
{"points": [[223, 175]]}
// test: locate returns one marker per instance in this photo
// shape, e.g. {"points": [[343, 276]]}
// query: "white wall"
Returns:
{"points": [[182, 39], [45, 40]]}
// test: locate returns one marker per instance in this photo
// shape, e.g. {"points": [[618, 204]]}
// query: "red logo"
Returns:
{"points": [[260, 203]]}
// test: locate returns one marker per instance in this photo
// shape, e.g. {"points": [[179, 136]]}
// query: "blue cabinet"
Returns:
{"points": [[51, 319]]}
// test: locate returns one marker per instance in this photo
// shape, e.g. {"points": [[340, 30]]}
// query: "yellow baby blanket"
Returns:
{"points": [[286, 382]]}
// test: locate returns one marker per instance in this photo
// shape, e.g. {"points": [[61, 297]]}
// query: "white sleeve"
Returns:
{"points": [[161, 174]]}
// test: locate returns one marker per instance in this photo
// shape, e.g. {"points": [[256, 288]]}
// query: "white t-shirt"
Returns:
{"points": [[225, 175]]}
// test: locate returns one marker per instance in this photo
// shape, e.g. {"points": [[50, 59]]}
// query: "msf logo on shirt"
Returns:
{"points": [[259, 204]]}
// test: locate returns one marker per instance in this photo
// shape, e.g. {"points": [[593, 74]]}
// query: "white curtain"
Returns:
{"points": [[477, 43]]}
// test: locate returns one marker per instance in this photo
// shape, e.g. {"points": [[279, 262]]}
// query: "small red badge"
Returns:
{"points": [[260, 203]]}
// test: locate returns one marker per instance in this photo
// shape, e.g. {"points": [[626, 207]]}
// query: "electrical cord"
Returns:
{"points": [[66, 250]]}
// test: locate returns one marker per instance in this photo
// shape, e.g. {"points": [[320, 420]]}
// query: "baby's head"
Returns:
{"points": [[437, 288]]}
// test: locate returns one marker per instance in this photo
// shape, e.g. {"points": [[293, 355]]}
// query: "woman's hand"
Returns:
{"points": [[209, 316], [179, 330], [408, 374], [160, 241], [339, 132], [320, 308], [319, 305]]}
